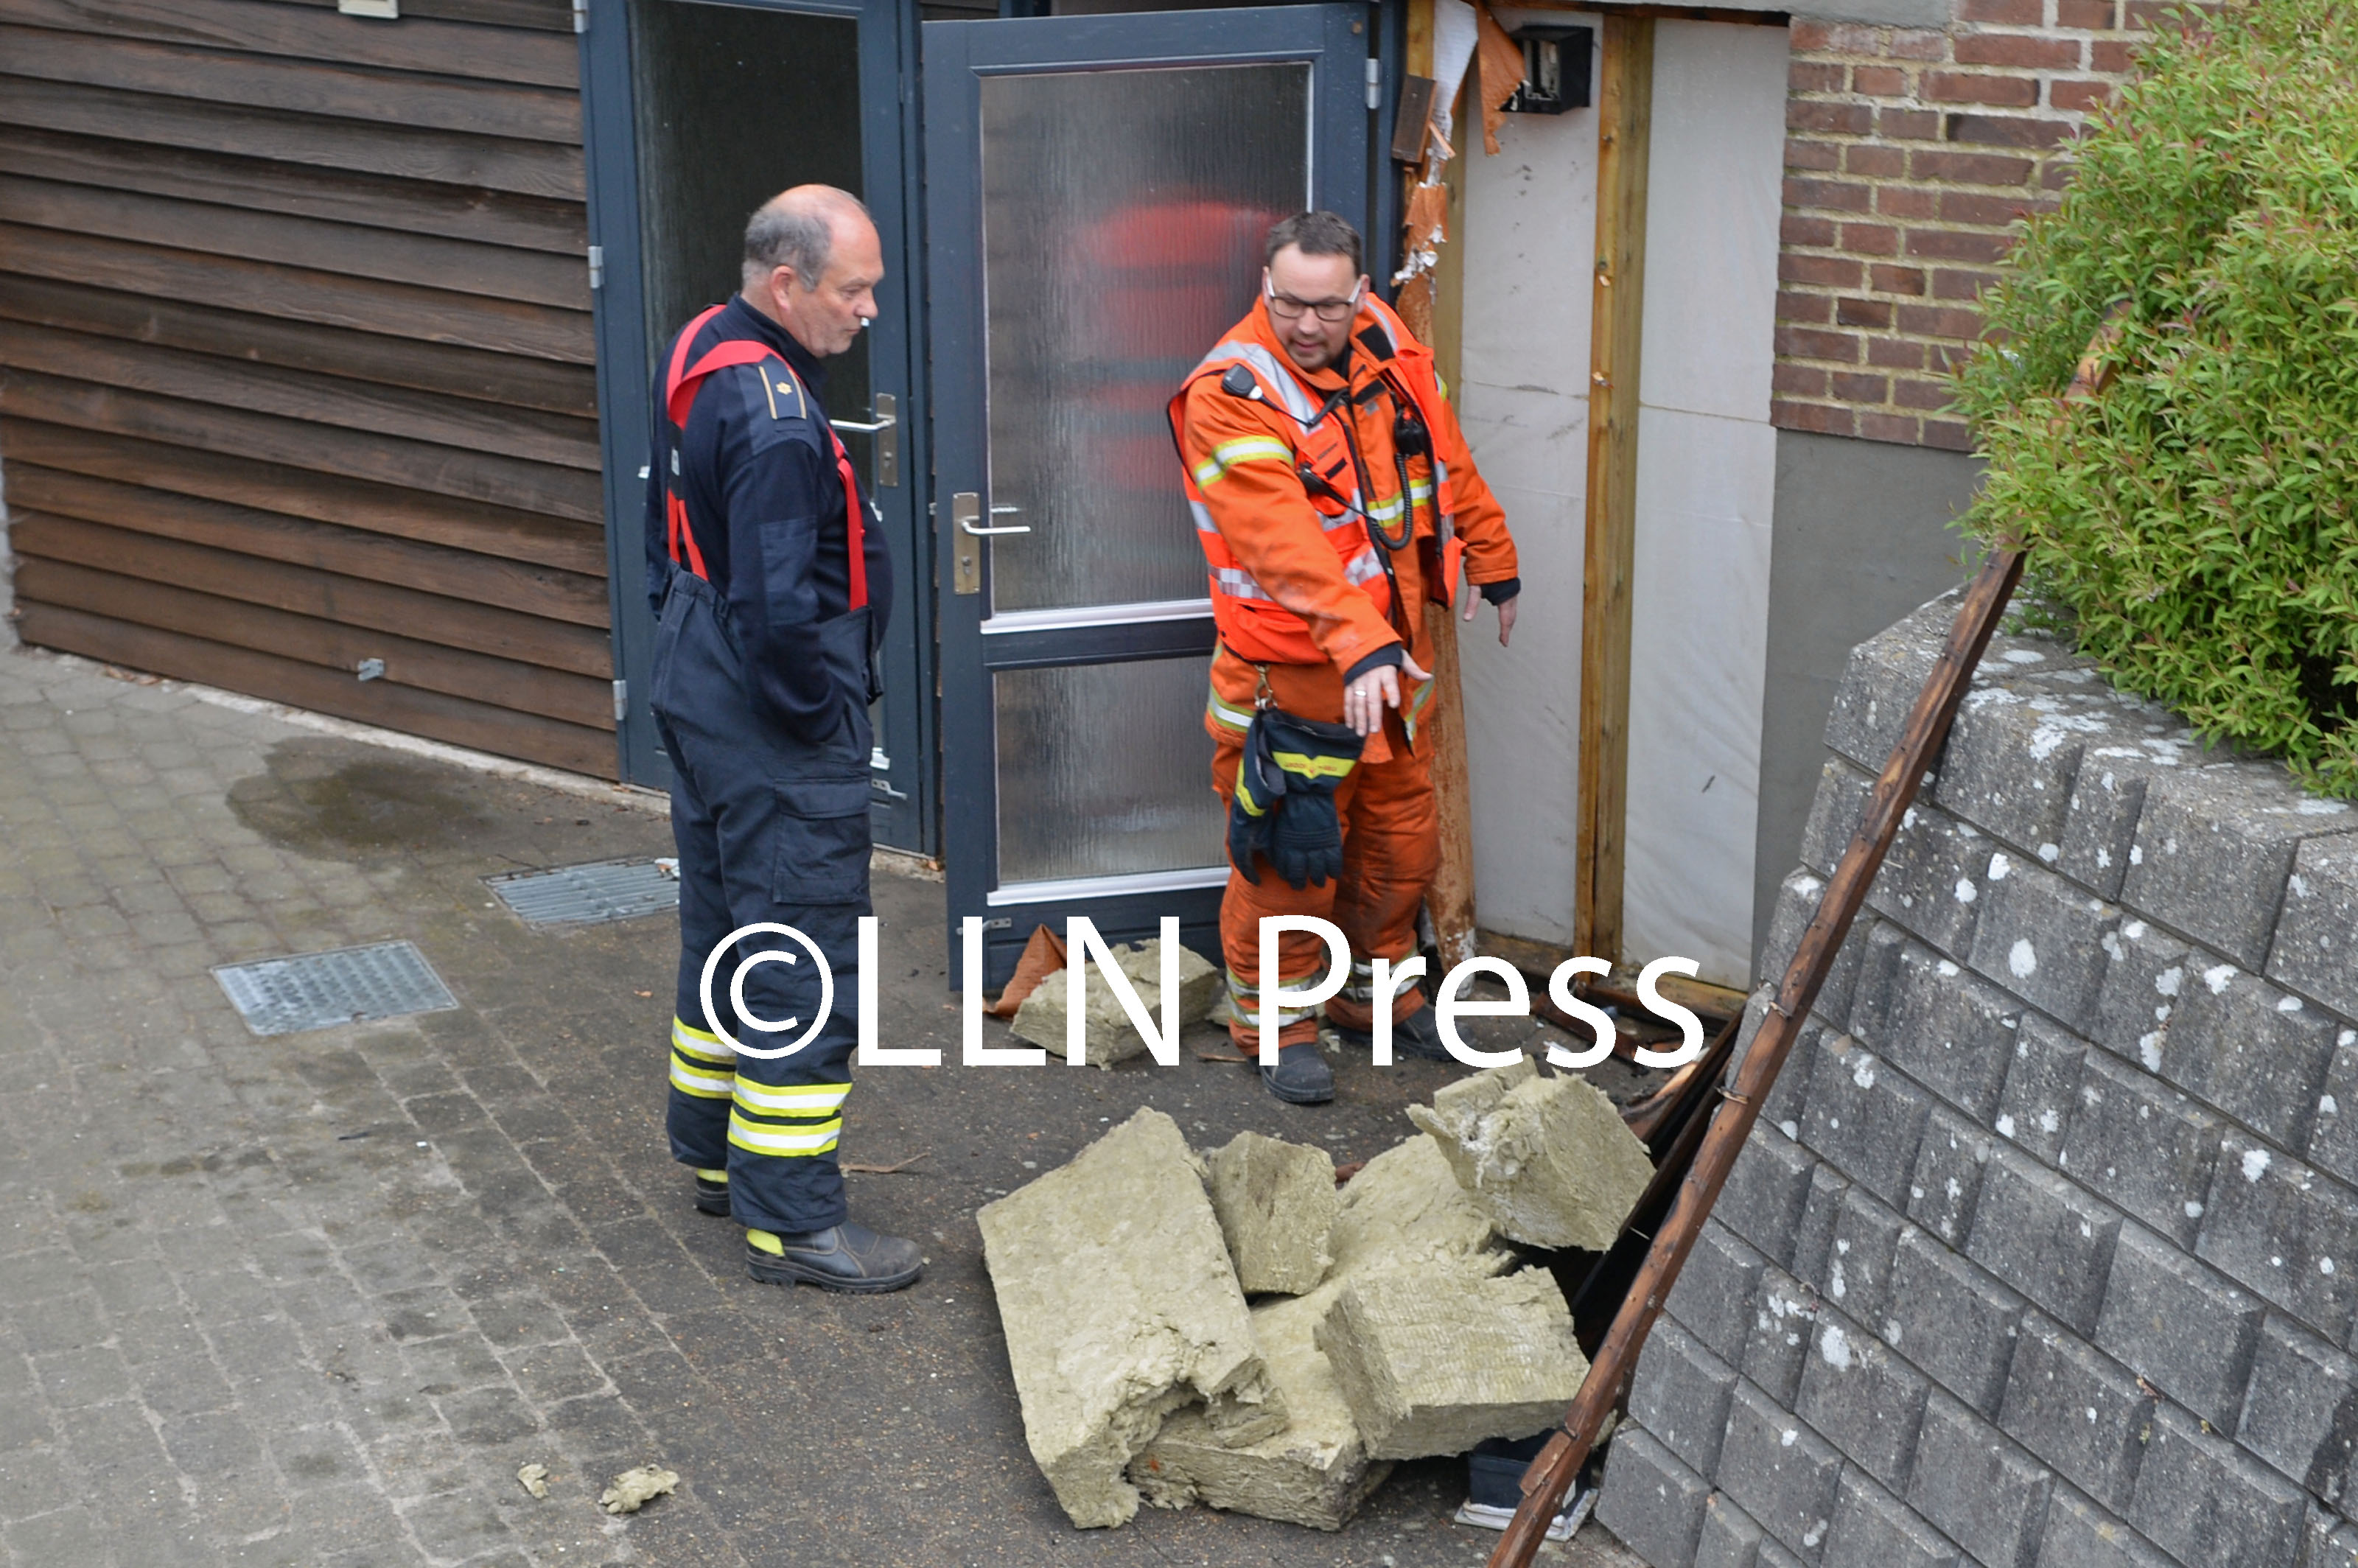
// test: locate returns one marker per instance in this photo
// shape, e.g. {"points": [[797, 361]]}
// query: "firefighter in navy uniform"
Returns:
{"points": [[772, 589]]}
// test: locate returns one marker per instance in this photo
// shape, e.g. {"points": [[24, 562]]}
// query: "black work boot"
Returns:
{"points": [[712, 1192], [846, 1257], [1418, 1034], [1301, 1076]]}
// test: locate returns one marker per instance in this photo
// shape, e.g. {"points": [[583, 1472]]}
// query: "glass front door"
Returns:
{"points": [[1099, 189]]}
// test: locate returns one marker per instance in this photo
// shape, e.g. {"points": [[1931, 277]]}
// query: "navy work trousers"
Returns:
{"points": [[769, 829]]}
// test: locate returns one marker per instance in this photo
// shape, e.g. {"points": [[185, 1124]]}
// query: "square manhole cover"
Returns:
{"points": [[583, 895], [348, 985]]}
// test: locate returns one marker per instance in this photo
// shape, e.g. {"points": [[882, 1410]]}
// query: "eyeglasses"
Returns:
{"points": [[1286, 307]]}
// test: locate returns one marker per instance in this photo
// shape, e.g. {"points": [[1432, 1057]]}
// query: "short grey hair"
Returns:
{"points": [[797, 234]]}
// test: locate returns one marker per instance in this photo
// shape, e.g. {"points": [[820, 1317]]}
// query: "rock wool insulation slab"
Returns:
{"points": [[1107, 1031], [1432, 1366], [1402, 1216], [1314, 1473], [1548, 1160], [1277, 1204], [1120, 1305]]}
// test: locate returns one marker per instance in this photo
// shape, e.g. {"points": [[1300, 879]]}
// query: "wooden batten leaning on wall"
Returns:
{"points": [[1625, 111], [295, 326]]}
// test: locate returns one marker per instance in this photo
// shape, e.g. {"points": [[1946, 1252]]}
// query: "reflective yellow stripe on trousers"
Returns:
{"points": [[700, 1065], [786, 1120]]}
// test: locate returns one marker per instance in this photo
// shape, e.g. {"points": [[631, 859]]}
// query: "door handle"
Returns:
{"points": [[965, 557], [965, 520], [886, 427]]}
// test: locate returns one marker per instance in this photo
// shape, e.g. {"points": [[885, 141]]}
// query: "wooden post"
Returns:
{"points": [[1449, 903], [1617, 322]]}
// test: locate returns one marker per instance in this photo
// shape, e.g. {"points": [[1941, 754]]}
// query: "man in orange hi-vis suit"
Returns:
{"points": [[1333, 496]]}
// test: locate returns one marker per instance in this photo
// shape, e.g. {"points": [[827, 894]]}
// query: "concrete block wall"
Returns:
{"points": [[2044, 1253], [1909, 153]]}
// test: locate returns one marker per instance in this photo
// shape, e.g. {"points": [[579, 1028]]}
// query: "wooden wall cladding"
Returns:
{"points": [[296, 359]]}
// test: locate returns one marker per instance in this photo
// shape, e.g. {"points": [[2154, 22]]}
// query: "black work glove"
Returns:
{"points": [[1284, 803], [1248, 831], [1307, 845]]}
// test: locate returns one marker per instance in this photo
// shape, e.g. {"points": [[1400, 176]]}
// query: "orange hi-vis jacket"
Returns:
{"points": [[1289, 503]]}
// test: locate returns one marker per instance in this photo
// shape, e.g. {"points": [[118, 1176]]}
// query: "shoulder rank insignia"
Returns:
{"points": [[785, 393]]}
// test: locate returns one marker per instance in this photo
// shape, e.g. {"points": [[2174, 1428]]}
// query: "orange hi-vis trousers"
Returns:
{"points": [[1392, 848]]}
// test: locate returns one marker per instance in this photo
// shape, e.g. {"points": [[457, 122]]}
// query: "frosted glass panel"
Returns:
{"points": [[1105, 770], [1122, 213]]}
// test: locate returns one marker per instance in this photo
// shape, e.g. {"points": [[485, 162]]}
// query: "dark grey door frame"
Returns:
{"points": [[905, 811], [1335, 39]]}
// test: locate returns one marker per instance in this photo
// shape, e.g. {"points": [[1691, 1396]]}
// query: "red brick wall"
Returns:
{"points": [[1907, 154]]}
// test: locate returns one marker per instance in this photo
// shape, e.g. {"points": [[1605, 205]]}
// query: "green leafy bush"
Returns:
{"points": [[2199, 522]]}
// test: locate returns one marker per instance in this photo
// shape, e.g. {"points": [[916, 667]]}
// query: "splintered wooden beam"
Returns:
{"points": [[1449, 902], [1617, 320]]}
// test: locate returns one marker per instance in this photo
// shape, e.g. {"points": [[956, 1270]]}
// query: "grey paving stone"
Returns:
{"points": [[2042, 1084], [1780, 1473], [2256, 1053], [1729, 1537], [1835, 811], [2142, 1145], [1929, 881], [1881, 680], [1865, 1116], [2286, 1231], [2040, 937], [1650, 1500], [2145, 983], [1820, 1209], [1861, 1397], [1978, 1486], [1876, 966], [2333, 1545], [2197, 1492], [1784, 1316], [2185, 1328], [1952, 1320], [1680, 1394], [1790, 1087], [2316, 947], [2044, 1236], [2300, 1411], [1856, 1278], [1871, 1529], [1947, 1180], [2014, 754], [2333, 1140], [1797, 903], [1713, 1298], [2076, 1409], [1765, 1189], [1949, 1031], [2215, 846]]}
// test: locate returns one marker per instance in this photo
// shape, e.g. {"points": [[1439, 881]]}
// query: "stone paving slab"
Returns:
{"points": [[311, 1300]]}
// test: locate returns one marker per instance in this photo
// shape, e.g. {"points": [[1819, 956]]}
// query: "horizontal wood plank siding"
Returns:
{"points": [[297, 361]]}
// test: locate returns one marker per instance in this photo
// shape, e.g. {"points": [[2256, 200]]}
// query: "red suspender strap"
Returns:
{"points": [[680, 387], [680, 539], [855, 537]]}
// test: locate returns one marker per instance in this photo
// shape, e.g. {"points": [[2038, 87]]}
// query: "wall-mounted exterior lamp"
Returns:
{"points": [[1556, 62]]}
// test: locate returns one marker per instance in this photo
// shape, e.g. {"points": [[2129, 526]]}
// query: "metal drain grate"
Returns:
{"points": [[317, 991], [581, 895]]}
